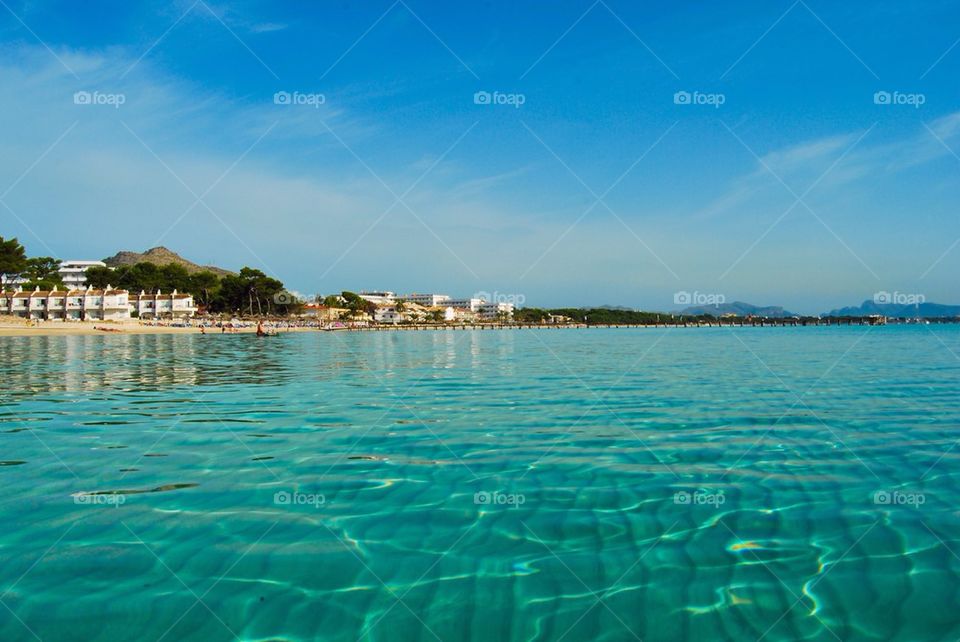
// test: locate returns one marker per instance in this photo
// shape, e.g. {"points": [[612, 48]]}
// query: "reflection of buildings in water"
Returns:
{"points": [[89, 363], [34, 365], [138, 360], [506, 349], [385, 353], [476, 351], [138, 363]]}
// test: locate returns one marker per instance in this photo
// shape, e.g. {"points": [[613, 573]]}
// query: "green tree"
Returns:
{"points": [[43, 271], [174, 276], [230, 295], [13, 259], [204, 286], [100, 277], [356, 303], [253, 292], [141, 276], [252, 280]]}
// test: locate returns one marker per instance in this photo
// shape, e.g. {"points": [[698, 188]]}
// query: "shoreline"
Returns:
{"points": [[107, 328]]}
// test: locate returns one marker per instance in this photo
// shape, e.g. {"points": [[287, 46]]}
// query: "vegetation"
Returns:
{"points": [[609, 316], [42, 271], [249, 292], [13, 259], [605, 316], [356, 304]]}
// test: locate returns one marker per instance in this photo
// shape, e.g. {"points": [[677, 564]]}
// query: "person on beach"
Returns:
{"points": [[260, 330]]}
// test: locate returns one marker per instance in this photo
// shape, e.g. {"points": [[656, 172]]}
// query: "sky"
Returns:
{"points": [[566, 153]]}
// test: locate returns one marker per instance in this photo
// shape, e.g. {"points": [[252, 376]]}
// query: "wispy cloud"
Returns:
{"points": [[267, 27], [802, 163]]}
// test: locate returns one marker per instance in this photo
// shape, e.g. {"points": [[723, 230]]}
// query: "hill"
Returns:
{"points": [[868, 307], [740, 309], [161, 256]]}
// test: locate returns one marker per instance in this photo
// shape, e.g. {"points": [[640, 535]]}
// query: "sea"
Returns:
{"points": [[525, 484]]}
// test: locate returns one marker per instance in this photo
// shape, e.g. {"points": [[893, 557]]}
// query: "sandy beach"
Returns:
{"points": [[19, 328]]}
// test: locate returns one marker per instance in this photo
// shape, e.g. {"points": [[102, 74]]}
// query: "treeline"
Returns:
{"points": [[607, 316], [249, 292], [591, 316], [39, 271]]}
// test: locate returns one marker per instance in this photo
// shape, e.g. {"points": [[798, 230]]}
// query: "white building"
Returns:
{"points": [[427, 300], [87, 304], [496, 310], [471, 304], [75, 304], [462, 309], [387, 314], [380, 297], [73, 273], [13, 281], [163, 306]]}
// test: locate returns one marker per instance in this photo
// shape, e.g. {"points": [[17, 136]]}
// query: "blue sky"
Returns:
{"points": [[798, 190]]}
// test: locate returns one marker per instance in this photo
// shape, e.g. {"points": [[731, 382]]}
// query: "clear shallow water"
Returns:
{"points": [[680, 484]]}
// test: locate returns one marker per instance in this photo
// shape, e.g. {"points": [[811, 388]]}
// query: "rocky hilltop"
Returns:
{"points": [[161, 256]]}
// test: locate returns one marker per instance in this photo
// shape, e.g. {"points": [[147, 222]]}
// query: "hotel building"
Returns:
{"points": [[163, 306], [495, 310], [77, 305], [88, 304], [73, 273], [427, 300], [380, 297], [463, 308]]}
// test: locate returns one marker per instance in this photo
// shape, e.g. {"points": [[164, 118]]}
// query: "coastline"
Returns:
{"points": [[107, 328], [10, 328]]}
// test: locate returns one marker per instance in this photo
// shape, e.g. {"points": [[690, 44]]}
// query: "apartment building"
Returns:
{"points": [[88, 304], [73, 273], [175, 305], [74, 304]]}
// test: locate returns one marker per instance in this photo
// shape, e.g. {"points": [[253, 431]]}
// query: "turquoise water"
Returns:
{"points": [[654, 484]]}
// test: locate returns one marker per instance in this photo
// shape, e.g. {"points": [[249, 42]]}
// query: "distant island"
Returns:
{"points": [[738, 309], [897, 310]]}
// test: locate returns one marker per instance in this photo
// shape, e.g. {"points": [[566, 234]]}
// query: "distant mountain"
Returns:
{"points": [[869, 307], [614, 307], [161, 256], [740, 309]]}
